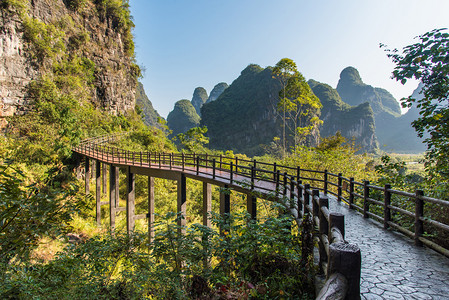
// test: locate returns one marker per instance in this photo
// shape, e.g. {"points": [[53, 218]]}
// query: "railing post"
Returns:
{"points": [[183, 161], [221, 161], [213, 168], [197, 165], [236, 165], [170, 157], [339, 190], [285, 183], [206, 161], [325, 181], [159, 160], [351, 192], [231, 179], [306, 197], [419, 213], [274, 172], [252, 177], [300, 197], [387, 202], [292, 192], [149, 159], [140, 158], [277, 180], [298, 173], [365, 198], [337, 220], [324, 230], [315, 207]]}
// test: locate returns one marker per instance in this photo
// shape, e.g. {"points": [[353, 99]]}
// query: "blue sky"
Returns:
{"points": [[183, 44]]}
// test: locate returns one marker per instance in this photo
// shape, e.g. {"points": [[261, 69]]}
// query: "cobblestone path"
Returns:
{"points": [[392, 266]]}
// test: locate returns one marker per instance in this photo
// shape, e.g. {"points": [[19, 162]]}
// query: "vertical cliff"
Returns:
{"points": [[353, 122], [81, 48]]}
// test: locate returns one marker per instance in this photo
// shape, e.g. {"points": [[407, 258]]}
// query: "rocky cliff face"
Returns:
{"points": [[150, 115], [353, 122], [394, 132], [353, 91], [217, 91], [199, 98], [49, 39], [244, 117]]}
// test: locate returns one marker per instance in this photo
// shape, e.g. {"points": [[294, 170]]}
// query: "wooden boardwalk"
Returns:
{"points": [[284, 184]]}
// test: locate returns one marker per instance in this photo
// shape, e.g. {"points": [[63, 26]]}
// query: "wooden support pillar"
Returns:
{"points": [[207, 203], [130, 197], [87, 175], [150, 208], [98, 191], [182, 202], [251, 205], [225, 206], [112, 196], [117, 185], [105, 176], [93, 169]]}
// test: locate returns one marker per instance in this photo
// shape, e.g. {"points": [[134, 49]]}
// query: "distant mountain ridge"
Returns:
{"points": [[182, 118], [394, 132], [243, 116]]}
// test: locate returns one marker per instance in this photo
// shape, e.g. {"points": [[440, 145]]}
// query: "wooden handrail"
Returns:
{"points": [[345, 189]]}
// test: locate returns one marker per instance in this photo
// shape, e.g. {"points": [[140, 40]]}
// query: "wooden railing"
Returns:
{"points": [[393, 208], [358, 195], [270, 181], [284, 182]]}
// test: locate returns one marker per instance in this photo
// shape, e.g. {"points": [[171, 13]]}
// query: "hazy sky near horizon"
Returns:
{"points": [[184, 44]]}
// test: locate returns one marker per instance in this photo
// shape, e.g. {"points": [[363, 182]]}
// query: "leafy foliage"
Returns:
{"points": [[254, 260], [428, 62], [194, 140], [297, 103], [30, 210]]}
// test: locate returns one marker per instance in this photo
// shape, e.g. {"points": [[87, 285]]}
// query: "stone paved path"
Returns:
{"points": [[392, 266]]}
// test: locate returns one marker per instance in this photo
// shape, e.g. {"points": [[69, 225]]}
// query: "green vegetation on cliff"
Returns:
{"points": [[245, 117], [356, 123], [182, 117], [150, 115]]}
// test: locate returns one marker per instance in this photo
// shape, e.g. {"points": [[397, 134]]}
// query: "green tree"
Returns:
{"points": [[297, 102], [428, 61], [194, 140]]}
